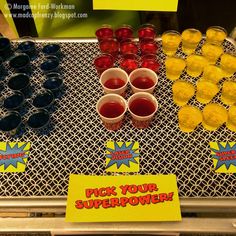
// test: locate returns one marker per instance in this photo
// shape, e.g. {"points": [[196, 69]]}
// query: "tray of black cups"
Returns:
{"points": [[25, 103]]}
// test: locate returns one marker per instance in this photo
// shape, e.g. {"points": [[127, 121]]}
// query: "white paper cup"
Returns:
{"points": [[114, 73], [142, 121], [143, 72], [114, 121]]}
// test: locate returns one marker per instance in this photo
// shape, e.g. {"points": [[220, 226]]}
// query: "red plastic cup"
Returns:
{"points": [[103, 62], [147, 31], [111, 109], [148, 47], [150, 61], [109, 46], [124, 32], [128, 46], [142, 107], [104, 32], [129, 62]]}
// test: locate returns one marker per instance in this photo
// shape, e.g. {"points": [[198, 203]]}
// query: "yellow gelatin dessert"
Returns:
{"points": [[212, 52], [228, 95], [195, 65], [231, 123], [228, 64], [174, 67], [214, 115], [170, 42], [183, 91], [216, 35], [189, 118], [206, 91], [212, 74]]}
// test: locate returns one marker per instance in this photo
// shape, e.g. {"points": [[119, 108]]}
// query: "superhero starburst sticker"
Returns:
{"points": [[13, 156], [122, 156], [224, 156]]}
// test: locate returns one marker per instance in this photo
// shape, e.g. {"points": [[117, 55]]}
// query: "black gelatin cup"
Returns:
{"points": [[55, 85], [20, 62], [50, 65], [28, 47], [52, 49], [5, 48], [44, 100]]}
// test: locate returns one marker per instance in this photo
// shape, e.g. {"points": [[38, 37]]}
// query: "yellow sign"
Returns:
{"points": [[122, 157], [224, 156], [136, 5], [13, 156], [122, 198]]}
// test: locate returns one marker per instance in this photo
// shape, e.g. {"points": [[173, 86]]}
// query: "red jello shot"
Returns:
{"points": [[103, 62], [104, 32], [124, 32], [109, 46], [111, 109], [129, 62], [147, 31], [128, 47], [150, 61], [142, 107], [148, 47]]}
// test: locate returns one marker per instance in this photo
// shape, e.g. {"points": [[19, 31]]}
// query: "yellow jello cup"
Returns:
{"points": [[228, 95], [212, 52], [190, 40], [183, 91], [212, 74], [174, 67], [228, 64], [189, 118], [170, 42], [195, 65], [216, 35], [214, 115], [206, 91], [231, 123]]}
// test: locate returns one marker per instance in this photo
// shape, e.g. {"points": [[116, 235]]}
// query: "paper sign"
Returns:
{"points": [[122, 157], [136, 5], [224, 156], [13, 156], [122, 198]]}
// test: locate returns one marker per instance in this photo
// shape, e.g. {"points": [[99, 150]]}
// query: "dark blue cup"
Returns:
{"points": [[52, 49], [10, 123], [20, 82], [5, 48], [55, 85], [39, 120], [50, 65], [20, 62], [44, 100], [14, 102], [28, 47]]}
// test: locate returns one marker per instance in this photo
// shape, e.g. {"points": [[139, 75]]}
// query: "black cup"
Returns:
{"points": [[29, 48], [21, 63], [50, 65], [20, 82], [14, 102], [52, 49], [39, 120], [55, 85], [10, 124], [5, 48], [44, 100]]}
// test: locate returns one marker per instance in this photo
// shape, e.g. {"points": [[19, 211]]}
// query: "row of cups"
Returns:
{"points": [[112, 108], [116, 80]]}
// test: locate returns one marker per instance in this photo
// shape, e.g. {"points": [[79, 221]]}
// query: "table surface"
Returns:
{"points": [[76, 143]]}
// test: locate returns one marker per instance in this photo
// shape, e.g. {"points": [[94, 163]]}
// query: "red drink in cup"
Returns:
{"points": [[104, 32], [142, 107], [143, 80], [110, 46], [129, 62], [147, 31], [128, 47], [114, 80], [103, 62], [148, 47], [150, 61], [124, 32], [111, 108]]}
